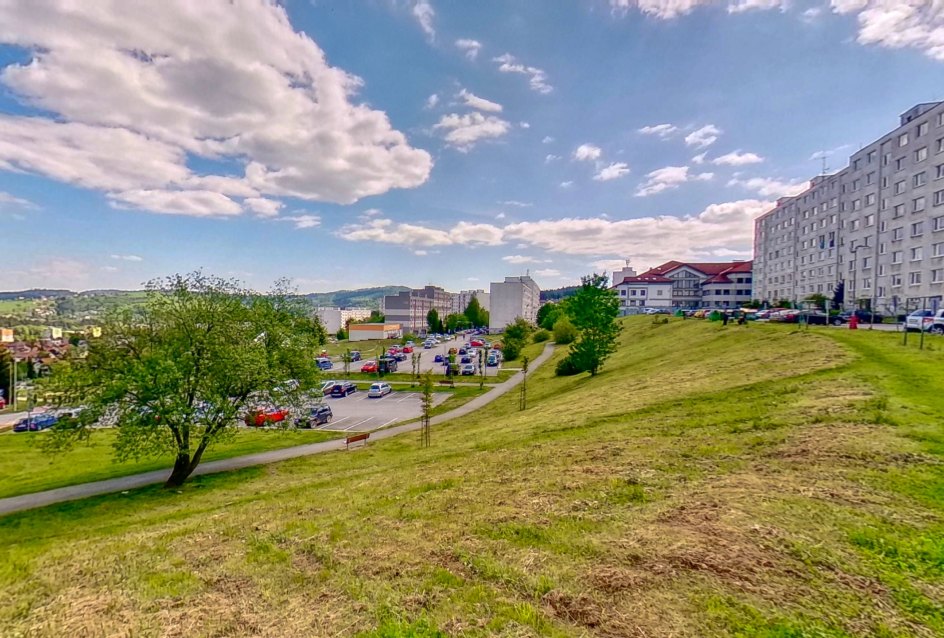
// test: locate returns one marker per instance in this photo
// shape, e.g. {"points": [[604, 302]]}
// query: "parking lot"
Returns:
{"points": [[427, 357], [357, 413]]}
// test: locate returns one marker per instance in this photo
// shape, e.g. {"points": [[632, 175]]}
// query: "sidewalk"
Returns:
{"points": [[120, 484]]}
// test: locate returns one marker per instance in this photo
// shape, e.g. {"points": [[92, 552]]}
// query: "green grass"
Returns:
{"points": [[711, 481], [27, 468]]}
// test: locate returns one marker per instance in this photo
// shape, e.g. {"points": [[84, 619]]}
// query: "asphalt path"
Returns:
{"points": [[120, 484]]}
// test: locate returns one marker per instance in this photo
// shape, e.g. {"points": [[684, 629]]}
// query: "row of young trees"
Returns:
{"points": [[474, 316]]}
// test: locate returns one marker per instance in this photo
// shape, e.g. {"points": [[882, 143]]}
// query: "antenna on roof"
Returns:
{"points": [[824, 164]]}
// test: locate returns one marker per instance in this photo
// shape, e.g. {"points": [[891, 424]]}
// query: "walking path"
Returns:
{"points": [[120, 484]]}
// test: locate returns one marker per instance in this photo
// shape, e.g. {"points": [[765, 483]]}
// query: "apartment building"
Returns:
{"points": [[874, 229], [515, 297], [410, 307], [333, 319], [463, 297], [677, 284]]}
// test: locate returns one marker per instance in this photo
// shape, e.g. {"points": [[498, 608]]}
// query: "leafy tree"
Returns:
{"points": [[783, 303], [475, 314], [540, 336], [839, 294], [817, 298], [456, 322], [177, 373], [341, 334], [515, 337], [548, 314], [433, 321], [564, 331], [6, 374], [593, 310]]}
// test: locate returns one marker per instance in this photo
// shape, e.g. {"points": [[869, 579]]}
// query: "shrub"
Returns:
{"points": [[566, 367], [564, 331], [341, 335], [541, 336], [512, 350]]}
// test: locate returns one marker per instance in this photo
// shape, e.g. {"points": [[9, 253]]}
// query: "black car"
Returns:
{"points": [[387, 364], [864, 316], [355, 355], [343, 388], [463, 350], [317, 415]]}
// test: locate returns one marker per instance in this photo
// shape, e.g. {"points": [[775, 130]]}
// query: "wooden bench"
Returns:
{"points": [[357, 438], [448, 382]]}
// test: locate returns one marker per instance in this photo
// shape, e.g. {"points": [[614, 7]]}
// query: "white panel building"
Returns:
{"points": [[515, 297], [333, 319]]}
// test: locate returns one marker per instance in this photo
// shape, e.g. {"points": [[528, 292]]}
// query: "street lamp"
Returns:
{"points": [[855, 268]]}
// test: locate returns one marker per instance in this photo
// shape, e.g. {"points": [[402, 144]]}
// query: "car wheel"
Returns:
{"points": [[936, 330], [837, 322]]}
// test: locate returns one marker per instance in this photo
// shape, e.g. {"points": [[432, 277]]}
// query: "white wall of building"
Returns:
{"points": [[515, 297], [333, 319]]}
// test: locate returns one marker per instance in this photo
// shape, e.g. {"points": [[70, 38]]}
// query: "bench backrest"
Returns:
{"points": [[356, 438]]}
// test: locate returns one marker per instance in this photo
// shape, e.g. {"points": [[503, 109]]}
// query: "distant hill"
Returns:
{"points": [[362, 297], [35, 293], [556, 294]]}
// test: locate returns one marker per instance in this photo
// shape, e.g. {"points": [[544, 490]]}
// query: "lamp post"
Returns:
{"points": [[855, 268]]}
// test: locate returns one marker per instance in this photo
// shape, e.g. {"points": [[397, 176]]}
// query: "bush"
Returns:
{"points": [[512, 350], [564, 331], [567, 368], [541, 336], [341, 334]]}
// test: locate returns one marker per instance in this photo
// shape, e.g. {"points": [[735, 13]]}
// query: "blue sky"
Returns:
{"points": [[347, 144]]}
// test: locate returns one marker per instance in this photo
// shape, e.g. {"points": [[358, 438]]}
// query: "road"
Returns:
{"points": [[359, 413], [75, 492]]}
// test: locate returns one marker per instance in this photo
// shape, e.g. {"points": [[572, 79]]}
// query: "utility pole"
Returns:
{"points": [[427, 403], [481, 368]]}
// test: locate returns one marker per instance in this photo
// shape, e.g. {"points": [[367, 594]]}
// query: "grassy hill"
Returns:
{"points": [[738, 481]]}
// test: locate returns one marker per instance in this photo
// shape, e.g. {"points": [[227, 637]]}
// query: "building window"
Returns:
{"points": [[939, 171], [921, 154], [882, 248], [917, 229], [939, 146], [896, 256], [870, 220], [920, 179], [900, 187], [937, 250], [866, 263], [937, 275], [898, 233], [903, 140], [900, 164], [938, 197], [856, 204], [870, 157], [881, 270], [939, 223], [922, 129], [870, 199], [916, 254], [887, 157], [914, 278], [917, 204]]}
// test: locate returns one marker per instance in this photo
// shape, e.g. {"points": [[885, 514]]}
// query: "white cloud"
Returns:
{"points": [[550, 157], [811, 14], [432, 101], [193, 203], [424, 14], [567, 184], [125, 84], [471, 48], [500, 216], [53, 272], [700, 158], [537, 77], [669, 178], [263, 207], [8, 200], [514, 202], [587, 153], [740, 6], [613, 171], [476, 102], [524, 124], [523, 259], [898, 24], [464, 131], [127, 257], [737, 158], [547, 272], [547, 140], [301, 221], [818, 155], [414, 236], [767, 187], [703, 137], [662, 130], [670, 9]]}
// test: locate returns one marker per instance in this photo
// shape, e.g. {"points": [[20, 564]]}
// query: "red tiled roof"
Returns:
{"points": [[712, 269], [646, 278]]}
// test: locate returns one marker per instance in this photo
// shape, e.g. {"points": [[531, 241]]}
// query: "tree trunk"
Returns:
{"points": [[181, 471]]}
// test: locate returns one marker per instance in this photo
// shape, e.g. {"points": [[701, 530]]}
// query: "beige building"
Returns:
{"points": [[515, 297], [873, 230], [366, 331], [410, 307], [333, 319]]}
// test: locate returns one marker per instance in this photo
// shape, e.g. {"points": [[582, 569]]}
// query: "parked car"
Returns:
{"points": [[343, 388], [937, 323], [370, 366], [468, 369], [438, 358], [864, 316], [35, 423], [261, 416], [463, 350], [316, 415], [379, 390], [408, 349], [919, 320], [492, 361], [476, 343], [324, 363], [355, 355], [326, 387], [387, 365], [466, 359]]}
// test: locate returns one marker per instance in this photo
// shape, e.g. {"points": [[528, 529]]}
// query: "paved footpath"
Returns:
{"points": [[120, 484]]}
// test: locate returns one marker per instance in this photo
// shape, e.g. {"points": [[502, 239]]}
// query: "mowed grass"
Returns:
{"points": [[25, 467], [712, 481]]}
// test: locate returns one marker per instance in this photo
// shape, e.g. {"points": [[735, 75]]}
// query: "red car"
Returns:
{"points": [[476, 343], [264, 416], [407, 349], [370, 366]]}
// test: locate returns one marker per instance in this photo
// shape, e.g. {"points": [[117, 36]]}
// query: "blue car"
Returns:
{"points": [[438, 358], [36, 423], [324, 363]]}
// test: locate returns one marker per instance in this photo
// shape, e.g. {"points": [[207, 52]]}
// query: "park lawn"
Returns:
{"points": [[712, 481], [25, 467]]}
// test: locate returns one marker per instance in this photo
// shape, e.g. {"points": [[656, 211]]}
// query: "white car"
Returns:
{"points": [[919, 320], [378, 390]]}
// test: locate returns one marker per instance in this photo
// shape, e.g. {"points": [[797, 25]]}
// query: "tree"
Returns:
{"points": [[432, 320], [564, 331], [818, 299], [475, 314], [341, 334], [548, 314], [593, 311], [456, 322], [6, 375], [515, 337], [175, 374]]}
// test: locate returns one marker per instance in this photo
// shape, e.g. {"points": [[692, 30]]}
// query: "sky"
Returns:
{"points": [[414, 142]]}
